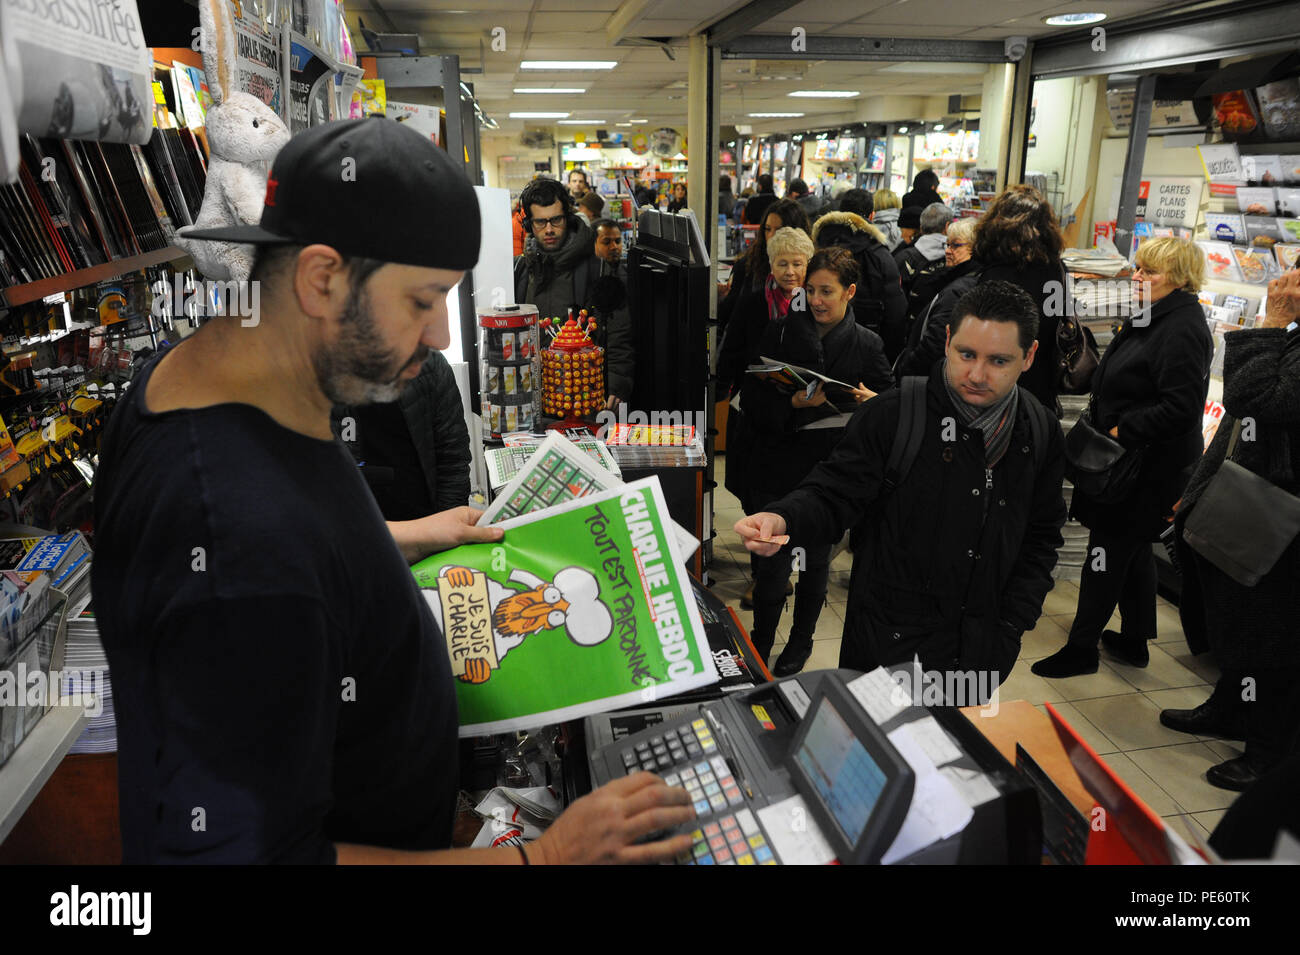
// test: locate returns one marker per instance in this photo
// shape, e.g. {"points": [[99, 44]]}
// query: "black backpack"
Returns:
{"points": [[869, 302], [926, 284]]}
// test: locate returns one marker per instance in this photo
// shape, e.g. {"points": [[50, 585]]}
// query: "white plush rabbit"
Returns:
{"points": [[244, 135]]}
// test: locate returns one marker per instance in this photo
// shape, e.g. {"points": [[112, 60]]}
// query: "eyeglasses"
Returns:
{"points": [[955, 245], [555, 221]]}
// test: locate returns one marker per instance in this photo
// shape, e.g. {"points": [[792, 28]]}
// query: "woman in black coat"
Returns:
{"points": [[752, 268], [1149, 394], [795, 431], [1252, 630], [1019, 241]]}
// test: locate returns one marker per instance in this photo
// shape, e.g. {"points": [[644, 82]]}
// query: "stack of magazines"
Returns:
{"points": [[655, 446], [85, 671]]}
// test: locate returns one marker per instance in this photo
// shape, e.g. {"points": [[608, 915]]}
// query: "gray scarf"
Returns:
{"points": [[995, 422]]}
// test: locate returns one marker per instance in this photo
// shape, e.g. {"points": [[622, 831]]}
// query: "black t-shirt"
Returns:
{"points": [[279, 682]]}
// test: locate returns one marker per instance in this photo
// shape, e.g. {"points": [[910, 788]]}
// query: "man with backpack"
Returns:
{"points": [[879, 303], [955, 481]]}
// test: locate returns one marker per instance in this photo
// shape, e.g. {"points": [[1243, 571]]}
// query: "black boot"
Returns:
{"points": [[1071, 660], [1130, 650], [762, 644], [793, 657]]}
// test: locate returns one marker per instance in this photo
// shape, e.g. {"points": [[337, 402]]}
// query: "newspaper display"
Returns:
{"points": [[504, 463], [257, 63], [77, 71], [309, 99], [578, 610], [556, 472]]}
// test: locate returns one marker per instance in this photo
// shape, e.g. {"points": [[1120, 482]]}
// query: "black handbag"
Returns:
{"points": [[1097, 465], [1077, 355], [1242, 522]]}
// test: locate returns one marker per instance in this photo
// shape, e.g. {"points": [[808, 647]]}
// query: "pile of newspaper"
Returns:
{"points": [[1094, 261], [1074, 551], [1102, 300], [660, 456], [85, 671]]}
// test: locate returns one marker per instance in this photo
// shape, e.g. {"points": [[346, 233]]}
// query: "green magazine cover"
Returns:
{"points": [[582, 608]]}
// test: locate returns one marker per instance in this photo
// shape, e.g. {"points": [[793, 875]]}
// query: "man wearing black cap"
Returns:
{"points": [[283, 694]]}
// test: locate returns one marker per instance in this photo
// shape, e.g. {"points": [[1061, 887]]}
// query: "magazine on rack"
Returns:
{"points": [[257, 65], [82, 75], [580, 609]]}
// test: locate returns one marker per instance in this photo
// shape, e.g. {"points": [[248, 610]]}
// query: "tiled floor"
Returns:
{"points": [[1116, 709]]}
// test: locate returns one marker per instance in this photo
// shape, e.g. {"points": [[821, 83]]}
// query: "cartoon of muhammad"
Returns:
{"points": [[484, 620]]}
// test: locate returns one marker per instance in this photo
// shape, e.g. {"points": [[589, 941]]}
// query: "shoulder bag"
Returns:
{"points": [[1077, 355], [1242, 522], [1097, 465]]}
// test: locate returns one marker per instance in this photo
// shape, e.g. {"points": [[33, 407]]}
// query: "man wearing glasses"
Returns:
{"points": [[554, 271]]}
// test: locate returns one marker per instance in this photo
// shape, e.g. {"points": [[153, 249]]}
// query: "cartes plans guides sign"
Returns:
{"points": [[582, 608]]}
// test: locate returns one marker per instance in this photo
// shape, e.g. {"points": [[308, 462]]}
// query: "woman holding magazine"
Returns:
{"points": [[795, 429]]}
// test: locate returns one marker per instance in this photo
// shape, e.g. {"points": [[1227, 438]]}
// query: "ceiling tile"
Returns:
{"points": [[544, 22]]}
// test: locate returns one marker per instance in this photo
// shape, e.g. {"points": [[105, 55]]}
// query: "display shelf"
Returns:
{"points": [[17, 295], [35, 760]]}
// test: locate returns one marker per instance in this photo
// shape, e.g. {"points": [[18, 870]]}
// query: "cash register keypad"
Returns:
{"points": [[687, 756]]}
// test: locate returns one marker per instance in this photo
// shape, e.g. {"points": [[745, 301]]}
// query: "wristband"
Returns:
{"points": [[524, 854]]}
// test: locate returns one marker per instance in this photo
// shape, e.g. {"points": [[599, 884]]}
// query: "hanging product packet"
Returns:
{"points": [[583, 607]]}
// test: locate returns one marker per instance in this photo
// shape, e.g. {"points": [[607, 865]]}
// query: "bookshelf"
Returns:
{"points": [[17, 295]]}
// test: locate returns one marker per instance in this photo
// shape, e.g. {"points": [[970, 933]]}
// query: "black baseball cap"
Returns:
{"points": [[371, 188]]}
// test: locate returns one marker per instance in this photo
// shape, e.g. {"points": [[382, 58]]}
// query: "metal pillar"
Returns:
{"points": [[1133, 159]]}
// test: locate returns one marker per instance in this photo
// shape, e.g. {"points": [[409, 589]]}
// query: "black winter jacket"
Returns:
{"points": [[745, 281], [1152, 382], [921, 198], [926, 337], [1038, 281], [781, 454], [946, 566], [741, 341], [1249, 627], [435, 421], [593, 276], [883, 309], [756, 208]]}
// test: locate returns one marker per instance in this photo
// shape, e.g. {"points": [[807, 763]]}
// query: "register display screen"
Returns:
{"points": [[845, 777]]}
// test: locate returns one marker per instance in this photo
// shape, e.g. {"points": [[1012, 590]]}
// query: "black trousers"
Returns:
{"points": [[1128, 581], [1269, 708], [770, 577]]}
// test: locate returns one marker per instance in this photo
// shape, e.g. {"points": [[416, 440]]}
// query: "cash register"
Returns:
{"points": [[803, 770]]}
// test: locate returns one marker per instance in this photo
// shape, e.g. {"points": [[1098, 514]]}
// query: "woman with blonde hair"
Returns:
{"points": [[1148, 394], [885, 209], [788, 252]]}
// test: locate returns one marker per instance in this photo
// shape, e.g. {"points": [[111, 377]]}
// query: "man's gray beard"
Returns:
{"points": [[356, 371]]}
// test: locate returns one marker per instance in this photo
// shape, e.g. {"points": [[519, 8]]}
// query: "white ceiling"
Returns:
{"points": [[646, 84]]}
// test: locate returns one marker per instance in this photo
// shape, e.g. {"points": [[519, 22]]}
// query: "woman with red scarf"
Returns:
{"points": [[788, 252]]}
